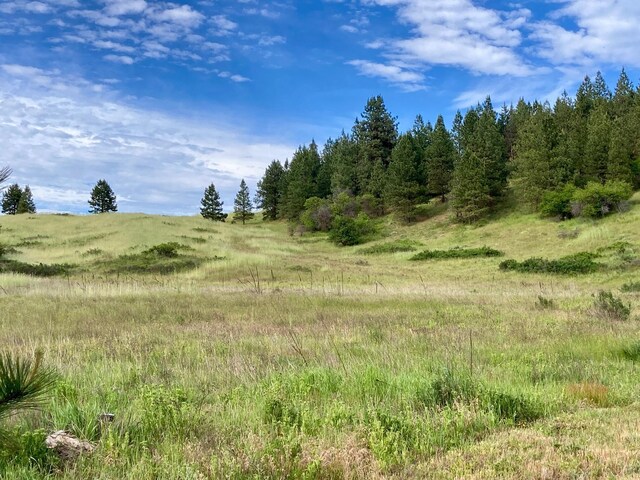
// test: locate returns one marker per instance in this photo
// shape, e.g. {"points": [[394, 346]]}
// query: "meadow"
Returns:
{"points": [[231, 351]]}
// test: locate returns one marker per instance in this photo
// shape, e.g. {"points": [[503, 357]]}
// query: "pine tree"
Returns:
{"points": [[212, 205], [242, 207], [534, 163], [26, 203], [597, 146], [376, 135], [624, 96], [11, 198], [621, 165], [269, 193], [301, 180], [343, 155], [102, 199], [440, 157], [403, 178], [470, 190]]}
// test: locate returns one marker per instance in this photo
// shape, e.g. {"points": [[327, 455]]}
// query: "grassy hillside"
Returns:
{"points": [[250, 353]]}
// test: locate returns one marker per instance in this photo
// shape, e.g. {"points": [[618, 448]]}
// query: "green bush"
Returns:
{"points": [[168, 250], [609, 307], [597, 200], [36, 270], [392, 247], [579, 263], [317, 215], [348, 231], [557, 203], [457, 253]]}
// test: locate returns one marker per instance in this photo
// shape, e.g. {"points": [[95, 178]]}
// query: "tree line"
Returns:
{"points": [[529, 152]]}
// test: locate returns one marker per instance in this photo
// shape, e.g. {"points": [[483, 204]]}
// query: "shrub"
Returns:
{"points": [[36, 270], [392, 247], [348, 231], [169, 250], [579, 263], [557, 203], [609, 307], [597, 200], [317, 215], [457, 253]]}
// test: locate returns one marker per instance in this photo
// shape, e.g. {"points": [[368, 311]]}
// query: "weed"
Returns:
{"points": [[36, 270], [608, 307], [545, 303], [592, 393]]}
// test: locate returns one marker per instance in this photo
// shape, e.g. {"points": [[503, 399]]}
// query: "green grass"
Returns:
{"points": [[276, 356], [457, 253]]}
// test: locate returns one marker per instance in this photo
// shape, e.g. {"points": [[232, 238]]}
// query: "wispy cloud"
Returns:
{"points": [[458, 33], [406, 79], [68, 138]]}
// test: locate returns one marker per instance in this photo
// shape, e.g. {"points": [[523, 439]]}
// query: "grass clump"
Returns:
{"points": [[631, 287], [609, 307], [391, 247], [631, 352], [579, 263], [169, 249], [457, 253]]}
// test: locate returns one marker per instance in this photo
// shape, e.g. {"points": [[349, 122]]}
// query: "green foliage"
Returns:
{"points": [[631, 287], [35, 270], [347, 231], [11, 198], [242, 207], [391, 247], [23, 384], [597, 200], [317, 215], [631, 352], [579, 263], [609, 307], [163, 258], [403, 179], [440, 156], [168, 250], [270, 191], [557, 203], [212, 205], [26, 203], [102, 198], [457, 253]]}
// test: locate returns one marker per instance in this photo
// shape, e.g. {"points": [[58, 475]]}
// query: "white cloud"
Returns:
{"points": [[606, 32], [406, 79], [125, 7], [67, 139], [458, 33], [124, 59]]}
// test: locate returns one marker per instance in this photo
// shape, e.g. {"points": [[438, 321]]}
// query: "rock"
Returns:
{"points": [[67, 446]]}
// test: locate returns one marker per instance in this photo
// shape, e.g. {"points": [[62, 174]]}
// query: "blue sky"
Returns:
{"points": [[163, 98]]}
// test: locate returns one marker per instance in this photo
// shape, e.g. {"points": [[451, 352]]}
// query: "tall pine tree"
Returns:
{"points": [[270, 191], [242, 207], [403, 177], [102, 198], [11, 198], [26, 203], [440, 157], [211, 208]]}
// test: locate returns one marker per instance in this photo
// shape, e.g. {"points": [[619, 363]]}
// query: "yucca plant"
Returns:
{"points": [[23, 385]]}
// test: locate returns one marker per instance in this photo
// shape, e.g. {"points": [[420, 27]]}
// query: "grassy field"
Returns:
{"points": [[246, 352]]}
